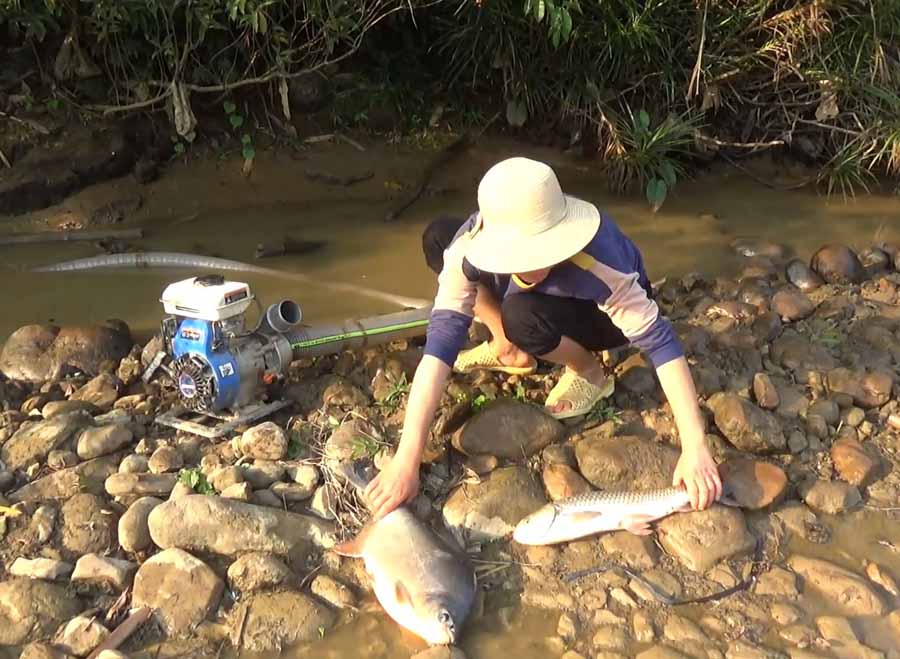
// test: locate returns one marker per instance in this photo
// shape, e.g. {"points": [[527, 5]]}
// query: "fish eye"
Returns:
{"points": [[445, 619]]}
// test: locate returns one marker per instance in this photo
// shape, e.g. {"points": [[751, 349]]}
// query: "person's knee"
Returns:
{"points": [[525, 325], [436, 238]]}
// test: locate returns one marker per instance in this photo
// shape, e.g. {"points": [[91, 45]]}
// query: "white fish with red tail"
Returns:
{"points": [[596, 512], [423, 584]]}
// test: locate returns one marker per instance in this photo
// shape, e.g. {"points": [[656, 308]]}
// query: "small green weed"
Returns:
{"points": [[196, 480], [248, 151], [295, 445], [366, 447], [479, 402], [604, 411], [395, 396]]}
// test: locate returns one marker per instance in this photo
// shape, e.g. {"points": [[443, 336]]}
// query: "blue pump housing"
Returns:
{"points": [[197, 337]]}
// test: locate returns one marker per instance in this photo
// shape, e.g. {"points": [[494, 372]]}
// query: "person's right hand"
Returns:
{"points": [[397, 484]]}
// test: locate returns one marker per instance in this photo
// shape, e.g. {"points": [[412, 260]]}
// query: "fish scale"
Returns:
{"points": [[589, 501]]}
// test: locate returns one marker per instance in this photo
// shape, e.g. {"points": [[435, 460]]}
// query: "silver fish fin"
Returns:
{"points": [[354, 547]]}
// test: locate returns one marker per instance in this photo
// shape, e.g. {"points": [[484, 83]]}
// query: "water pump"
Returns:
{"points": [[222, 370]]}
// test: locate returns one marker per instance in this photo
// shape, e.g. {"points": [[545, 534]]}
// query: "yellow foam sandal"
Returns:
{"points": [[581, 394], [481, 356]]}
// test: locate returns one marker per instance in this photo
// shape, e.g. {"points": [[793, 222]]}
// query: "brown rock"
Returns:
{"points": [[765, 392], [792, 304], [625, 463], [266, 441], [753, 484], [832, 497], [165, 459], [33, 442], [508, 429], [275, 620], [867, 390], [852, 463], [777, 582], [636, 551], [159, 485], [838, 264], [257, 571], [181, 590], [32, 608], [846, 591], [701, 539], [563, 482], [745, 425], [88, 525], [101, 392]]}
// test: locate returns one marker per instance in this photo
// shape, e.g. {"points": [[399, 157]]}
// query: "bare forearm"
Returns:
{"points": [[424, 398], [677, 384]]}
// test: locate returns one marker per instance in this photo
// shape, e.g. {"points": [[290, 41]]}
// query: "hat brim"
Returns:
{"points": [[500, 252]]}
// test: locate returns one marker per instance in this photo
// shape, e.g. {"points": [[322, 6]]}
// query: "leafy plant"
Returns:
{"points": [[295, 445], [366, 447], [603, 411], [196, 480], [248, 152], [395, 394], [479, 402]]}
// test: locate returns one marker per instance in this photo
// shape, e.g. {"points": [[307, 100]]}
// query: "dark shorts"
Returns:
{"points": [[535, 322]]}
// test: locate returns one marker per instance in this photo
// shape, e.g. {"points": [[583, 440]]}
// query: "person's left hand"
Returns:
{"points": [[697, 472]]}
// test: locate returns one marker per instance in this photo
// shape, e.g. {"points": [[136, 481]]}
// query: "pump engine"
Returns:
{"points": [[217, 364]]}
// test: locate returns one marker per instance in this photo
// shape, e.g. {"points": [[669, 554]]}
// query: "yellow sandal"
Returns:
{"points": [[482, 356], [582, 395]]}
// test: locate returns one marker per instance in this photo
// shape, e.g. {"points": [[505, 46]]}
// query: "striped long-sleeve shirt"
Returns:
{"points": [[609, 271]]}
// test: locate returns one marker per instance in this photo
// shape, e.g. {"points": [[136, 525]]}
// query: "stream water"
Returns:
{"points": [[208, 207]]}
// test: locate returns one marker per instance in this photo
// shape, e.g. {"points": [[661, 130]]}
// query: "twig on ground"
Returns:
{"points": [[356, 145], [5, 161]]}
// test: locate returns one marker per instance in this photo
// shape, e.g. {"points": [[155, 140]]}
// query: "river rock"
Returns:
{"points": [[801, 276], [88, 476], [791, 305], [43, 651], [267, 441], [800, 520], [134, 464], [490, 509], [745, 425], [797, 353], [81, 635], [134, 530], [273, 620], [88, 525], [638, 552], [838, 264], [32, 442], [753, 484], [625, 463], [832, 497], [880, 576], [563, 482], [333, 592], [240, 491], [160, 485], [303, 474], [262, 473], [508, 429], [224, 477], [777, 582], [679, 630], [32, 608], [39, 353], [60, 407], [852, 463], [844, 590], [40, 568], [94, 442], [867, 390], [228, 527], [293, 492], [827, 409], [342, 444], [102, 392], [112, 572], [765, 392], [165, 459], [257, 571], [181, 589], [700, 539]]}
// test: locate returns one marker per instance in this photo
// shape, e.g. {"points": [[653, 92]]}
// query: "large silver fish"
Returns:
{"points": [[596, 512], [423, 584]]}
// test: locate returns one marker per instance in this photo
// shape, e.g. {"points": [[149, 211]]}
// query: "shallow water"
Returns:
{"points": [[208, 207]]}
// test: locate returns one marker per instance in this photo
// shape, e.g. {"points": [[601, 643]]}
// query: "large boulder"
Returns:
{"points": [[745, 425], [38, 353], [31, 608], [847, 592], [490, 509], [272, 621], [181, 590], [508, 429], [32, 442], [88, 525], [625, 463], [229, 527]]}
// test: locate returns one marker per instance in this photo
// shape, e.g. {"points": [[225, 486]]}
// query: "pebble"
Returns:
{"points": [[160, 485], [303, 474], [279, 619], [745, 425], [800, 520], [266, 441], [40, 568], [43, 522], [854, 416], [792, 304], [134, 532], [799, 636], [832, 497], [266, 498], [333, 592], [292, 492], [257, 571], [663, 581], [59, 407], [262, 473], [94, 442], [165, 459], [96, 569], [827, 409], [765, 392], [852, 463], [81, 635], [563, 482], [239, 492], [88, 525], [134, 464], [797, 442], [660, 652], [636, 551], [224, 477]]}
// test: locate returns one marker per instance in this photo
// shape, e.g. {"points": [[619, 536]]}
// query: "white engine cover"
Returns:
{"points": [[206, 301]]}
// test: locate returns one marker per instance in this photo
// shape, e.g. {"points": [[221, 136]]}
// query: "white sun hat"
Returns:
{"points": [[525, 221]]}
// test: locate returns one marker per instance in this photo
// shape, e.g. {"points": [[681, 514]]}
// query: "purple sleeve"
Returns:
{"points": [[446, 334], [659, 342]]}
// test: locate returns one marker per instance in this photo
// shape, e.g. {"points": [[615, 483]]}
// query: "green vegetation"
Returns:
{"points": [[196, 480], [647, 85]]}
